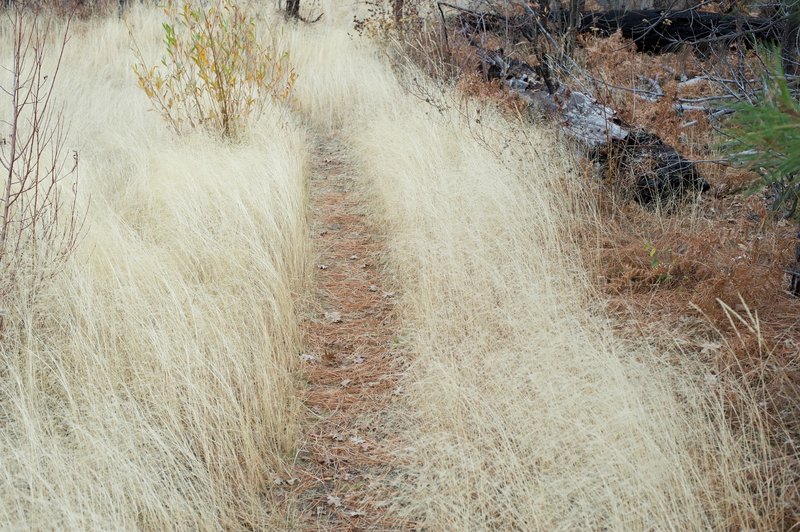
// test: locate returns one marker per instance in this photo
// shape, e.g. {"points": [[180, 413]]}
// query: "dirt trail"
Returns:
{"points": [[350, 364]]}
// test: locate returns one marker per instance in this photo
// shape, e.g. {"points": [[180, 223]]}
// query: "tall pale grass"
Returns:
{"points": [[522, 409], [150, 383]]}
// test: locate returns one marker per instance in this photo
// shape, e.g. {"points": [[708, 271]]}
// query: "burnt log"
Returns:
{"points": [[651, 30], [657, 171], [662, 31], [293, 8]]}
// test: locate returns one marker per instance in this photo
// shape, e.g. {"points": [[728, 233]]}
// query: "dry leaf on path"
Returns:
{"points": [[334, 501], [333, 317]]}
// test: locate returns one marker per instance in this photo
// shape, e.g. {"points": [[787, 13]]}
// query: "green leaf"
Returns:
{"points": [[765, 137]]}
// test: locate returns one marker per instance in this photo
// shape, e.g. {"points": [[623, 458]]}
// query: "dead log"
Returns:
{"points": [[662, 31], [657, 171], [293, 8], [651, 30]]}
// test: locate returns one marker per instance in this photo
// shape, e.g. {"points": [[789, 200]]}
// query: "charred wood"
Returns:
{"points": [[657, 170], [651, 30], [662, 31]]}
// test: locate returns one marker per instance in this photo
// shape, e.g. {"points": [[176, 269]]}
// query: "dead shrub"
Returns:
{"points": [[40, 219]]}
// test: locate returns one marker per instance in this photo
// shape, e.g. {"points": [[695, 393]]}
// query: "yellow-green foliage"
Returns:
{"points": [[217, 73]]}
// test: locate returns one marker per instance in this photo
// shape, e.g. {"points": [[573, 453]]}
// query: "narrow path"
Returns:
{"points": [[349, 361]]}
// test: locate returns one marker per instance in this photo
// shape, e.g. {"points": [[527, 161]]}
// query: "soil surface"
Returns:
{"points": [[351, 361]]}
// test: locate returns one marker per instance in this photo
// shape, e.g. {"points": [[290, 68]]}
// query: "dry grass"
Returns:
{"points": [[523, 409], [528, 413], [709, 277], [710, 280], [150, 384]]}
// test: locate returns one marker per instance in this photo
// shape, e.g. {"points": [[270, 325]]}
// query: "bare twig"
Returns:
{"points": [[39, 226]]}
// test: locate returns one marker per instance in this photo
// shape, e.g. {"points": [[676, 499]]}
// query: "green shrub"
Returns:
{"points": [[216, 74], [765, 136]]}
